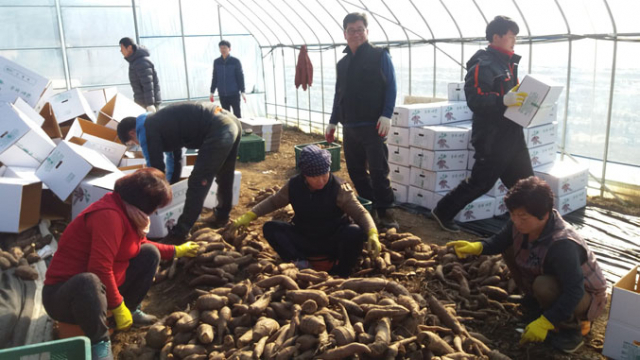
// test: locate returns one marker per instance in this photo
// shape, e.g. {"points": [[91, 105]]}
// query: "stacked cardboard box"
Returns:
{"points": [[268, 129]]}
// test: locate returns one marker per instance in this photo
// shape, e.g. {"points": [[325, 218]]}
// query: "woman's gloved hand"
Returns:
{"points": [[465, 248], [537, 330], [122, 316], [188, 249], [373, 245], [244, 220]]}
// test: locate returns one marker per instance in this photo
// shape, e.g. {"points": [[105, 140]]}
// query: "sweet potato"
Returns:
{"points": [[157, 336], [309, 307], [211, 302], [409, 241], [382, 337], [264, 327], [205, 333], [364, 285], [300, 296], [286, 353], [310, 324], [185, 350], [494, 292], [276, 280], [351, 306], [208, 280], [344, 352], [26, 272], [188, 322], [434, 343], [395, 312], [445, 317], [260, 304], [258, 347], [306, 342]]}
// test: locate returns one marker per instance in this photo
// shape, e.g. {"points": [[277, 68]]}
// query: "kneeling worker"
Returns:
{"points": [[321, 226], [550, 262], [214, 132]]}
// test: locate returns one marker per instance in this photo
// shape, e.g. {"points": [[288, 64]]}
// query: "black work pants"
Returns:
{"points": [[367, 157], [231, 101], [345, 245], [508, 166], [216, 158], [82, 299]]}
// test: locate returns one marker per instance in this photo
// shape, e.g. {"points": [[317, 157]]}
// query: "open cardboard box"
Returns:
{"points": [[69, 105], [116, 109], [97, 137], [19, 82], [622, 337], [20, 205], [22, 141]]}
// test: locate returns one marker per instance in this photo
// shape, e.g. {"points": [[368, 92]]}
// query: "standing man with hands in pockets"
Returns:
{"points": [[228, 78], [364, 101], [491, 86]]}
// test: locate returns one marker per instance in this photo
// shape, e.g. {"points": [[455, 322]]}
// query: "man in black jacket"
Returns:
{"points": [[142, 74], [228, 78], [501, 151], [214, 132], [363, 103]]}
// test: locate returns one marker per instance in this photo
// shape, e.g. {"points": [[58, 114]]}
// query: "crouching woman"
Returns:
{"points": [[104, 261]]}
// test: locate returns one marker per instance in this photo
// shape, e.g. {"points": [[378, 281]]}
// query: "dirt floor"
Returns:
{"points": [[170, 296]]}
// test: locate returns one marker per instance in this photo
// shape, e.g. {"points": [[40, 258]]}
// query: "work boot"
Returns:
{"points": [[446, 224], [567, 341], [140, 318], [174, 238], [386, 220], [216, 221], [102, 351]]}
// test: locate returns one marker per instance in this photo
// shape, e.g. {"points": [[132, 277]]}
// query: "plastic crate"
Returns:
{"points": [[252, 148], [367, 204], [333, 148], [76, 348]]}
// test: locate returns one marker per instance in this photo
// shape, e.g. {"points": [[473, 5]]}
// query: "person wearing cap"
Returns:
{"points": [[324, 205], [214, 132], [142, 75]]}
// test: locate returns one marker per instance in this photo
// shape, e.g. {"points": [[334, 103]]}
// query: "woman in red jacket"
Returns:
{"points": [[104, 260]]}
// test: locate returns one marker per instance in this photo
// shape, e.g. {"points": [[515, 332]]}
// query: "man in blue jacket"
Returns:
{"points": [[363, 103], [228, 79]]}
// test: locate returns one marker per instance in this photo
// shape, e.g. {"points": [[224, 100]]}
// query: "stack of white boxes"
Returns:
{"points": [[430, 152]]}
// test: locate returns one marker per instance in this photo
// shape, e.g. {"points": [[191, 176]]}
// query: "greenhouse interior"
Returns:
{"points": [[225, 282]]}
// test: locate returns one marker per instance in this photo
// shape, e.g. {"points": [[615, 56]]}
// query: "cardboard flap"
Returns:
{"points": [[50, 124], [17, 81], [13, 126], [118, 108], [94, 158], [22, 105], [82, 126]]}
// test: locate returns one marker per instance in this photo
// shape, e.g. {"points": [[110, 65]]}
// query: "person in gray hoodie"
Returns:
{"points": [[142, 75]]}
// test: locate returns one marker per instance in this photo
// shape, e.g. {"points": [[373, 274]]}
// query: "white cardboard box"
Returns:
{"points": [[400, 192], [164, 220], [417, 115], [571, 202], [98, 98], [179, 191], [439, 138], [541, 134], [500, 207], [456, 91], [100, 138], [20, 205], [50, 125], [420, 197], [17, 81], [116, 109], [399, 174], [399, 155], [211, 201], [479, 209], [455, 111], [541, 155], [68, 164], [268, 129], [439, 160], [436, 181], [542, 94], [92, 189], [499, 189], [622, 337], [398, 136], [71, 104], [469, 126], [564, 177], [31, 113], [22, 142]]}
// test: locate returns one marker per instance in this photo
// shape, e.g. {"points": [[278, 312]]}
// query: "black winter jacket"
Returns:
{"points": [[143, 78], [491, 74], [228, 77]]}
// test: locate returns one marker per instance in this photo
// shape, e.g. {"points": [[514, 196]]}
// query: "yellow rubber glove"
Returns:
{"points": [[122, 316], [513, 97], [188, 249], [244, 220], [536, 331], [466, 248], [373, 245]]}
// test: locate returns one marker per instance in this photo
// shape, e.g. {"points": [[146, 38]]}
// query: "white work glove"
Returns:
{"points": [[329, 133], [383, 126], [244, 97], [513, 97], [151, 109], [212, 98]]}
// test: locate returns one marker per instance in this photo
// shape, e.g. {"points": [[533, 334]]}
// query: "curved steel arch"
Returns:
{"points": [[459, 33], [610, 109], [408, 41], [568, 83], [526, 25]]}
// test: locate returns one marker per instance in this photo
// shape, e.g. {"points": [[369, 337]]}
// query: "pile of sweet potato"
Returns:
{"points": [[23, 253]]}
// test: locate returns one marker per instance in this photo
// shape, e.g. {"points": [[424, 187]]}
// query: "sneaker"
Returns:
{"points": [[102, 351], [386, 220], [215, 222], [567, 341], [585, 327], [446, 225], [140, 318]]}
